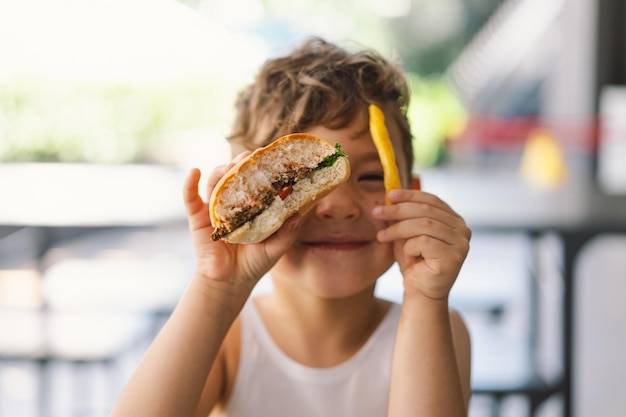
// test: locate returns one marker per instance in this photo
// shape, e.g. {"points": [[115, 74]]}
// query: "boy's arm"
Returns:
{"points": [[171, 377], [431, 367], [176, 378]]}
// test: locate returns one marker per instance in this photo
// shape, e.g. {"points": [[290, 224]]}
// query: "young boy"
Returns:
{"points": [[320, 344]]}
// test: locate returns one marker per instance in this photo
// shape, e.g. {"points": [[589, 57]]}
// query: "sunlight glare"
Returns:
{"points": [[130, 40]]}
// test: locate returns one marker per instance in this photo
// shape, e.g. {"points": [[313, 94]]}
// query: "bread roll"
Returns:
{"points": [[255, 197]]}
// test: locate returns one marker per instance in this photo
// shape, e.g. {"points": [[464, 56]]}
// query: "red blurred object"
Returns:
{"points": [[491, 132], [416, 182]]}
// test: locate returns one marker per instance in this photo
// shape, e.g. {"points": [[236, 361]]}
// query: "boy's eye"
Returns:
{"points": [[372, 177]]}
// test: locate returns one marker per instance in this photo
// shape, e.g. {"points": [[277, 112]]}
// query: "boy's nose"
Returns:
{"points": [[338, 205]]}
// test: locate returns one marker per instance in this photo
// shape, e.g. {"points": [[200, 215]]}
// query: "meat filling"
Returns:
{"points": [[264, 199]]}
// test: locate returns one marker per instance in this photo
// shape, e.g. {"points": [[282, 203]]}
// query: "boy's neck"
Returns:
{"points": [[317, 331]]}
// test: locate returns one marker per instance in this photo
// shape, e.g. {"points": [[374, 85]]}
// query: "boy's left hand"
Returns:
{"points": [[430, 240]]}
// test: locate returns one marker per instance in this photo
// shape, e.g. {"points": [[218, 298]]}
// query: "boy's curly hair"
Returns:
{"points": [[319, 83]]}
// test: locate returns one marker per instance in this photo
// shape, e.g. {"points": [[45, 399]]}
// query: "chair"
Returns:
{"points": [[96, 301], [599, 335], [512, 324], [36, 340]]}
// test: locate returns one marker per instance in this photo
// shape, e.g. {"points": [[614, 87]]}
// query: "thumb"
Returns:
{"points": [[283, 239]]}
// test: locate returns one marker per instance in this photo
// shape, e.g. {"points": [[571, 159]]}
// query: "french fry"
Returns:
{"points": [[381, 139]]}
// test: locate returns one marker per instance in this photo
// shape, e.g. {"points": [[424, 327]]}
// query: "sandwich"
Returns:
{"points": [[288, 176]]}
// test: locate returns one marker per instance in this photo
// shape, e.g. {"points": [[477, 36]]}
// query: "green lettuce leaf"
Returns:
{"points": [[330, 159]]}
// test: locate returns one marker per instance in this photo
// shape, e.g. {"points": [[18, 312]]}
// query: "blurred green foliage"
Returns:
{"points": [[105, 123], [120, 123], [117, 123], [436, 116]]}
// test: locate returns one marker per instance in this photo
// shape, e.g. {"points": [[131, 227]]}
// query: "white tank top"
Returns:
{"points": [[270, 384]]}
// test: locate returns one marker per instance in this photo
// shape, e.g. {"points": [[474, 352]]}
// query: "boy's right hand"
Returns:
{"points": [[239, 267]]}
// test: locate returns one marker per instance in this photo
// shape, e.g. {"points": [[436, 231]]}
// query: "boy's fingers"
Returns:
{"points": [[410, 204], [241, 156], [419, 227], [279, 242], [406, 195], [409, 211], [215, 176], [219, 171], [190, 191]]}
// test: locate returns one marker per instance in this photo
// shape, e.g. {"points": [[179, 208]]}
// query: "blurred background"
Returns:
{"points": [[519, 112]]}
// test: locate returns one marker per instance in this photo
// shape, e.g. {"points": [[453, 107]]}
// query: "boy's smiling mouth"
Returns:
{"points": [[338, 242]]}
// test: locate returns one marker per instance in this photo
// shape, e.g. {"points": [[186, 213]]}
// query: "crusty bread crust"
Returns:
{"points": [[238, 188]]}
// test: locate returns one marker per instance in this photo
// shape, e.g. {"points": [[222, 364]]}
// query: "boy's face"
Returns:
{"points": [[337, 253]]}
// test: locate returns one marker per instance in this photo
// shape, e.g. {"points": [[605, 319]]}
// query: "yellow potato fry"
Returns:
{"points": [[384, 147]]}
